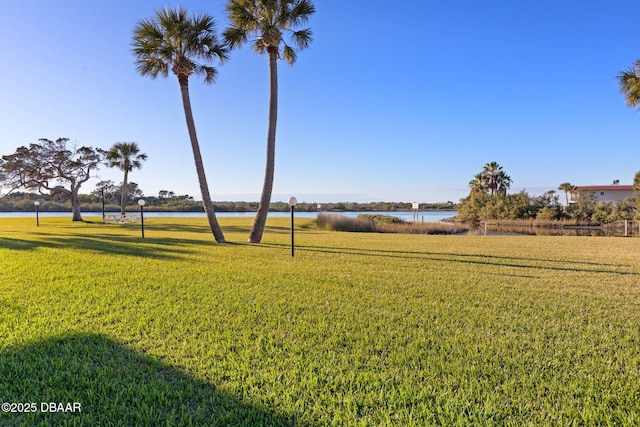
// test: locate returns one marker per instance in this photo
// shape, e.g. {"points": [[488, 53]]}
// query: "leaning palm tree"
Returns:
{"points": [[629, 81], [265, 22], [172, 41], [125, 156]]}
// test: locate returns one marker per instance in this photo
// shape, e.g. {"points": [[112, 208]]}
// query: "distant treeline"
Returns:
{"points": [[23, 202]]}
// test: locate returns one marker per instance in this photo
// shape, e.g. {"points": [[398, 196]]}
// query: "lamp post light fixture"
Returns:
{"points": [[292, 204], [141, 203], [37, 205]]}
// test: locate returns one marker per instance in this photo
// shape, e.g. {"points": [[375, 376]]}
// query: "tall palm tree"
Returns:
{"points": [[503, 183], [567, 187], [125, 156], [265, 22], [629, 81], [478, 184], [496, 180], [174, 40]]}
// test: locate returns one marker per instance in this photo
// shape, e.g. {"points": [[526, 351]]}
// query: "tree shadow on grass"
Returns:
{"points": [[479, 259], [117, 244], [201, 229], [104, 383], [165, 248]]}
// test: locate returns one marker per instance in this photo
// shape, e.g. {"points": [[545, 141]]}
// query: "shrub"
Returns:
{"points": [[385, 219], [549, 213]]}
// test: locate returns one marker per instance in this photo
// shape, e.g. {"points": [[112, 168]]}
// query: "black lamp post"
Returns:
{"points": [[37, 205], [102, 197], [141, 203], [292, 204]]}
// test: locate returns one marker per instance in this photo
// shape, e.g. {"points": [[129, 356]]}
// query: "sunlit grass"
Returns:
{"points": [[357, 329]]}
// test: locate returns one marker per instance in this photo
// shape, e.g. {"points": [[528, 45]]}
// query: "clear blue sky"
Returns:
{"points": [[401, 101]]}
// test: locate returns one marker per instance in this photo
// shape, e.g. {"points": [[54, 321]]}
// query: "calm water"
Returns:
{"points": [[430, 216]]}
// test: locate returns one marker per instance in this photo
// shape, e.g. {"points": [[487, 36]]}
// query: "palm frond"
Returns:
{"points": [[235, 37], [174, 40], [244, 14], [259, 46], [302, 38], [289, 54], [209, 73], [263, 23], [629, 81], [124, 156], [301, 12]]}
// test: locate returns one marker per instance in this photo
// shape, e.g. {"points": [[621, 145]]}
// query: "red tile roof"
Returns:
{"points": [[605, 188]]}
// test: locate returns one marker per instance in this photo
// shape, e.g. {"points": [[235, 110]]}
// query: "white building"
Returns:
{"points": [[606, 193]]}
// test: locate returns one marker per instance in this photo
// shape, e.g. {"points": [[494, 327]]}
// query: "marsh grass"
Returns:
{"points": [[385, 224], [358, 329]]}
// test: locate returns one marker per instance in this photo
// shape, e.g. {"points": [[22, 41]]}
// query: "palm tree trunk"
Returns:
{"points": [[123, 199], [197, 157], [265, 199]]}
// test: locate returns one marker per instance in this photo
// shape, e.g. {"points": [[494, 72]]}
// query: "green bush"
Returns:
{"points": [[385, 219], [549, 213]]}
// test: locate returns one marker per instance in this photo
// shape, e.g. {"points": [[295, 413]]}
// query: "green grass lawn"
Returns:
{"points": [[358, 329]]}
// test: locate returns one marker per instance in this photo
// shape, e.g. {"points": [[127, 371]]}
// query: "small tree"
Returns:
{"points": [[51, 167], [547, 206], [470, 207], [567, 187], [133, 191], [125, 156], [107, 190], [584, 206]]}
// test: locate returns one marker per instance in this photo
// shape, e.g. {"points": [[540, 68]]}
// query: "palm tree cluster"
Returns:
{"points": [[173, 40], [493, 180]]}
